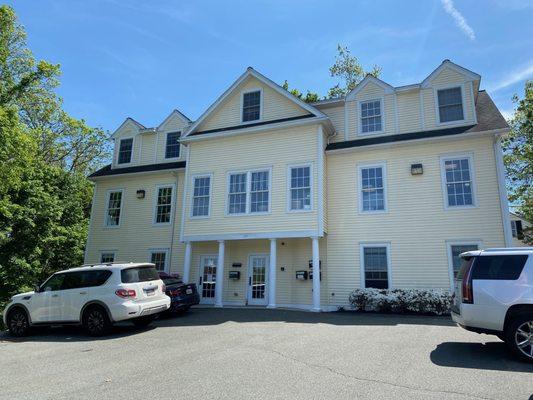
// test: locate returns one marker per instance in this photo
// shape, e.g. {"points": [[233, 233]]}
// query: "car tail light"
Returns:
{"points": [[125, 293], [466, 286]]}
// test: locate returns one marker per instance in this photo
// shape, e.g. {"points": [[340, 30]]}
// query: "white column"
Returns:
{"points": [[316, 276], [187, 263], [272, 275], [220, 274]]}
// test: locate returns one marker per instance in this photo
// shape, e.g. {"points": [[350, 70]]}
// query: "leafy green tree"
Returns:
{"points": [[518, 157], [310, 97]]}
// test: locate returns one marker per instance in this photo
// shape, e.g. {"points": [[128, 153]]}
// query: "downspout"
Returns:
{"points": [[504, 204], [173, 222]]}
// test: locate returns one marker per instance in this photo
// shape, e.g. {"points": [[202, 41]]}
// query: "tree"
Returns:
{"points": [[310, 97], [518, 157]]}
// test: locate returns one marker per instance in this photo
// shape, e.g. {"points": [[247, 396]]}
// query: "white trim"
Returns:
{"points": [[248, 207], [126, 122], [396, 119], [346, 108], [471, 167], [140, 148], [388, 89], [464, 242], [436, 89], [172, 204], [372, 164], [422, 116], [316, 274], [360, 116], [289, 187], [244, 236], [193, 178], [362, 246], [156, 147], [187, 262], [101, 178], [266, 299], [186, 183], [473, 102], [219, 283], [502, 190], [117, 153], [454, 67], [165, 250], [272, 272], [106, 209], [179, 114], [320, 183], [241, 107], [102, 252]]}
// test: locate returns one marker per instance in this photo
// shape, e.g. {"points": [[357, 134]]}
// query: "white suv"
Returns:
{"points": [[494, 295], [95, 296]]}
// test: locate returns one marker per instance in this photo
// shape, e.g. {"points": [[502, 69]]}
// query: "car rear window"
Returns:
{"points": [[508, 267], [171, 281], [465, 264], [139, 274]]}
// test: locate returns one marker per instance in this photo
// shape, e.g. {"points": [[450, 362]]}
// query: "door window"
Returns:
{"points": [[209, 276], [54, 283], [258, 277]]}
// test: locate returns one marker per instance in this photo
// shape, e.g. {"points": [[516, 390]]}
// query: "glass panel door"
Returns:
{"points": [[257, 280], [208, 272]]}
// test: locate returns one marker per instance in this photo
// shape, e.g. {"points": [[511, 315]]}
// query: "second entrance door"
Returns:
{"points": [[258, 280]]}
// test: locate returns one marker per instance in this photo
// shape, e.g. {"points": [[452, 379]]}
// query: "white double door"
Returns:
{"points": [[256, 280]]}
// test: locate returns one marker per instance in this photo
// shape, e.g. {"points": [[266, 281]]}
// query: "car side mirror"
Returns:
{"points": [[36, 289]]}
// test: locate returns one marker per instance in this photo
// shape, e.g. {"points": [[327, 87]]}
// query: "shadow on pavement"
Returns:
{"points": [[489, 356]]}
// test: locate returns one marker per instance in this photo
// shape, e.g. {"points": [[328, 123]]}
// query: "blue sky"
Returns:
{"points": [[142, 59]]}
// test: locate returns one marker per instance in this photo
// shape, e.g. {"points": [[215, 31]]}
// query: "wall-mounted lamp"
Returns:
{"points": [[417, 169], [141, 193]]}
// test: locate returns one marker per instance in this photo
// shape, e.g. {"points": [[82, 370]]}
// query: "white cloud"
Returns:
{"points": [[460, 21], [513, 77]]}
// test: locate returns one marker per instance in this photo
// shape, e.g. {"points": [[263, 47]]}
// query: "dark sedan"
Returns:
{"points": [[182, 295]]}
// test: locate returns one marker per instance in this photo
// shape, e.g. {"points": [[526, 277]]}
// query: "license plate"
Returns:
{"points": [[150, 292], [188, 291]]}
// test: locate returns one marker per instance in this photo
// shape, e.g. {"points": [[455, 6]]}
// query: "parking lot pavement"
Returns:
{"points": [[265, 354]]}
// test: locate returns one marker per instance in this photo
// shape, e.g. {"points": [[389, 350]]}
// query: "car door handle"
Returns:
{"points": [[83, 292]]}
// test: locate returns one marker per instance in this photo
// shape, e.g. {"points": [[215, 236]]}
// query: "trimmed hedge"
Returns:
{"points": [[402, 301]]}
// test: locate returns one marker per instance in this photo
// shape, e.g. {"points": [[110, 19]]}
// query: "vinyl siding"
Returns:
{"points": [[174, 124], [336, 116], [136, 234], [409, 111], [417, 225], [276, 150], [229, 113]]}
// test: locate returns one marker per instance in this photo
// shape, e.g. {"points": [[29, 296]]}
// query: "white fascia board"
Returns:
{"points": [[126, 122], [128, 174], [177, 113], [369, 79], [245, 236], [472, 76]]}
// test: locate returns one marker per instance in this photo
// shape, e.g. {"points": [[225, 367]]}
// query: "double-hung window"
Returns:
{"points": [[107, 257], [517, 229], [372, 190], [249, 192], [201, 196], [300, 188], [125, 150], [458, 181], [251, 106], [172, 149], [371, 116], [114, 208], [375, 262], [450, 105], [160, 259], [163, 207]]}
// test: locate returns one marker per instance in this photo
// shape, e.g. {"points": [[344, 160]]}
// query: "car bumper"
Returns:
{"points": [[132, 309], [183, 302]]}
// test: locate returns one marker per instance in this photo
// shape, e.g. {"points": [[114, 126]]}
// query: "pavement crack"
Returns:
{"points": [[370, 380]]}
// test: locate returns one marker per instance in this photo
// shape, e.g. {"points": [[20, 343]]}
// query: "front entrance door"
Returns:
{"points": [[208, 276], [258, 280]]}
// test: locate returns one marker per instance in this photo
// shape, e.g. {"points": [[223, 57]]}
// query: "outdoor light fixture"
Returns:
{"points": [[417, 169], [141, 193], [301, 275], [235, 275]]}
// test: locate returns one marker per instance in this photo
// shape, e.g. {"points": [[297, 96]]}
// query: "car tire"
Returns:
{"points": [[18, 322], [142, 322], [96, 321], [519, 336]]}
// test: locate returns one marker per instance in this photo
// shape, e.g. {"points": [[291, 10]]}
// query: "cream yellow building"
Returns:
{"points": [[383, 188]]}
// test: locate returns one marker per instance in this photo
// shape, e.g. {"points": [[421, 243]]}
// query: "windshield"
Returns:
{"points": [[139, 274]]}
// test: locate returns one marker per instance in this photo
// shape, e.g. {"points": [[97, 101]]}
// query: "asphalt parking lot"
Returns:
{"points": [[265, 354]]}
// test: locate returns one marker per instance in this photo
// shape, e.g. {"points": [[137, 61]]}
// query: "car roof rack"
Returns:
{"points": [[104, 264], [495, 249]]}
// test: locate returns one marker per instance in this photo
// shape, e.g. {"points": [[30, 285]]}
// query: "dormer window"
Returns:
{"points": [[251, 106], [124, 151], [450, 104], [172, 149], [371, 116]]}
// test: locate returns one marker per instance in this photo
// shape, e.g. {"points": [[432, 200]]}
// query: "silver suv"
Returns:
{"points": [[494, 295]]}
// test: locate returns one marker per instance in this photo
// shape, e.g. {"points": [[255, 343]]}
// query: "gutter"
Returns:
{"points": [[504, 202]]}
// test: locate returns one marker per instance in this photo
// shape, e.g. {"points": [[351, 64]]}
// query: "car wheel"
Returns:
{"points": [[519, 336], [142, 322], [18, 322], [96, 321]]}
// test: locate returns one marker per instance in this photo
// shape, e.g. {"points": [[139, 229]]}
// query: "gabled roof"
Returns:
{"points": [[250, 72], [448, 64], [369, 79], [178, 114], [128, 121]]}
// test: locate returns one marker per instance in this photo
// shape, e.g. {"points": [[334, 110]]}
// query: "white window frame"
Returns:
{"points": [[436, 100], [108, 194], [362, 246], [248, 173], [289, 187], [179, 144], [465, 242], [241, 108], [360, 167], [514, 229], [155, 205], [191, 199], [118, 150], [448, 157], [160, 250], [360, 116], [114, 252]]}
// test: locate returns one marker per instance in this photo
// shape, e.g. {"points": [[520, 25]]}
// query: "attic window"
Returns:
{"points": [[251, 106], [124, 151], [450, 105]]}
